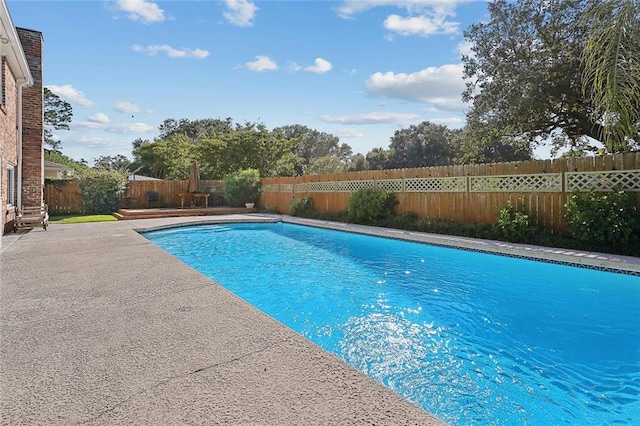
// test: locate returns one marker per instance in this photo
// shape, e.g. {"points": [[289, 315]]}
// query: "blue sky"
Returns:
{"points": [[357, 69]]}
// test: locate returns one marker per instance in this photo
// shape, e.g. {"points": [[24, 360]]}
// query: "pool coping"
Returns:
{"points": [[627, 265]]}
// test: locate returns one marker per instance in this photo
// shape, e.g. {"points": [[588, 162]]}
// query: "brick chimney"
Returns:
{"points": [[32, 122]]}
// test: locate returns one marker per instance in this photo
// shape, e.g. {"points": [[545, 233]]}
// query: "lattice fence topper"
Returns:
{"points": [[437, 184], [628, 180], [354, 185], [301, 187], [272, 187], [545, 182], [321, 187], [286, 187], [391, 185]]}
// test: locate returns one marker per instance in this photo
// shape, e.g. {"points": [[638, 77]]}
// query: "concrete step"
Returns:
{"points": [[131, 214]]}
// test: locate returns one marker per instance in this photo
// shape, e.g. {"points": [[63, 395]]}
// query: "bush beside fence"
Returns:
{"points": [[467, 193]]}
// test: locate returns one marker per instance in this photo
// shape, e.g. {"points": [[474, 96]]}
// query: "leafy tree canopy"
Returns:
{"points": [[525, 73], [57, 116], [118, 163], [312, 143], [378, 159], [611, 75], [421, 145], [485, 145], [327, 164], [196, 129]]}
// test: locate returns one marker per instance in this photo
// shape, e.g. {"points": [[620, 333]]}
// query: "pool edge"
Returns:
{"points": [[577, 258]]}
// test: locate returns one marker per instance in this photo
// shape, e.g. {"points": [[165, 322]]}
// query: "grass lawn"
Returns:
{"points": [[82, 219]]}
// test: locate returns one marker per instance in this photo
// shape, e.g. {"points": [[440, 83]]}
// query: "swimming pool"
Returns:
{"points": [[470, 337]]}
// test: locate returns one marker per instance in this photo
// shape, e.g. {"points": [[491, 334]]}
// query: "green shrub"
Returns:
{"points": [[101, 190], [270, 210], [408, 221], [453, 227], [242, 186], [302, 207], [602, 218], [339, 216], [514, 225], [370, 205]]}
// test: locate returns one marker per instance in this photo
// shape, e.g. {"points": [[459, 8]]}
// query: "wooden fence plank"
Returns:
{"points": [[473, 207]]}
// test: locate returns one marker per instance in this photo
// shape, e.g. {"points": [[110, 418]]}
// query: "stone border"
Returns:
{"points": [[582, 259]]}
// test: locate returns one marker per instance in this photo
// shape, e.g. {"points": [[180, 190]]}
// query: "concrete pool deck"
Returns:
{"points": [[99, 326]]}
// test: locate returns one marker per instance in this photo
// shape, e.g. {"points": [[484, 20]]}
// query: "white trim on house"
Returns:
{"points": [[10, 41]]}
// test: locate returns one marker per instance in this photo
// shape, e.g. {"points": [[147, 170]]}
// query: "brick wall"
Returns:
{"points": [[32, 122], [8, 136]]}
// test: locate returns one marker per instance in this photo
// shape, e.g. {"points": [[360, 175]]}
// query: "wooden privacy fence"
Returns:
{"points": [[63, 197], [469, 193]]}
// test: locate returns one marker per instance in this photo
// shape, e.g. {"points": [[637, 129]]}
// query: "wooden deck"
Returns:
{"points": [[129, 214]]}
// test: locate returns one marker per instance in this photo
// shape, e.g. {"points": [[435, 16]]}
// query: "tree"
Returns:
{"points": [[485, 145], [611, 76], [248, 146], [378, 159], [358, 163], [325, 165], [118, 163], [524, 76], [57, 116], [312, 143], [194, 130], [165, 159], [422, 145]]}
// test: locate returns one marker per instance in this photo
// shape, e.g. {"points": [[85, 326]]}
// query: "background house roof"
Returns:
{"points": [[57, 166], [140, 177]]}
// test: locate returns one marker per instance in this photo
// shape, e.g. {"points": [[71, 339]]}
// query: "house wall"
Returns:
{"points": [[8, 137], [32, 122]]}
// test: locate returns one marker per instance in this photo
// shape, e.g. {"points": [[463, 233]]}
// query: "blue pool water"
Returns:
{"points": [[470, 337]]}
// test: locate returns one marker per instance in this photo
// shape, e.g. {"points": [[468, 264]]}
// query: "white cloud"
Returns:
{"points": [[70, 94], [122, 128], [424, 17], [451, 122], [262, 63], [171, 52], [420, 25], [320, 66], [371, 118], [99, 118], [240, 12], [440, 86], [128, 107], [350, 8], [348, 133], [141, 10], [294, 67]]}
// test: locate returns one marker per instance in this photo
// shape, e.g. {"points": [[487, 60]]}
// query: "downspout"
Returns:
{"points": [[22, 83]]}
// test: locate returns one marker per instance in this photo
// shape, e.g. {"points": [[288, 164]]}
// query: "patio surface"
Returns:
{"points": [[100, 326]]}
